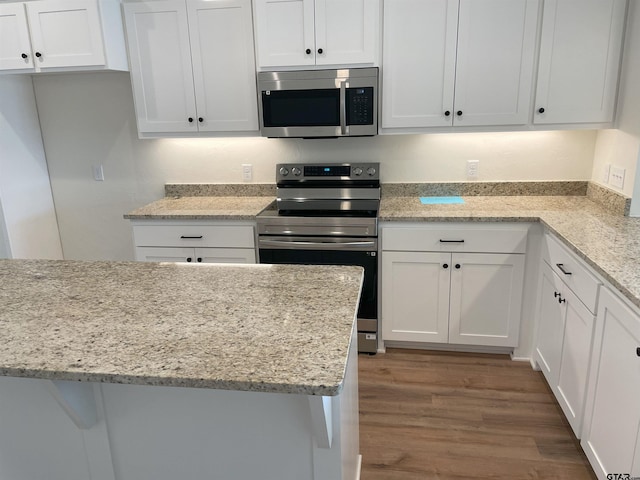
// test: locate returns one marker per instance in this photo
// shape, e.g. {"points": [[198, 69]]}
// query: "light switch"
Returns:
{"points": [[616, 177], [472, 168]]}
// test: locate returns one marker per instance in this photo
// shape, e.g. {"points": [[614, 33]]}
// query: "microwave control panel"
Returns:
{"points": [[360, 106]]}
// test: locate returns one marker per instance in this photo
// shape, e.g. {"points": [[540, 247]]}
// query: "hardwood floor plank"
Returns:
{"points": [[452, 416]]}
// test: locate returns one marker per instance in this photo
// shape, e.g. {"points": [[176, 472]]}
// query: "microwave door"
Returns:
{"points": [[302, 113]]}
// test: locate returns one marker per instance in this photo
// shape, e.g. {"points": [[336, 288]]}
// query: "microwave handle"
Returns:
{"points": [[343, 108]]}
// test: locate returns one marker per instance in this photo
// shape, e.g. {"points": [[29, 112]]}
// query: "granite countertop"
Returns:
{"points": [[267, 328], [609, 243], [203, 208]]}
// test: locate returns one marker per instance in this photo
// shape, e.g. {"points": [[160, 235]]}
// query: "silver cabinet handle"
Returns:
{"points": [[561, 267]]}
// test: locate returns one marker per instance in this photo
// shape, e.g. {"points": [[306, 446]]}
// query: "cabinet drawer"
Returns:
{"points": [[573, 272], [235, 236], [456, 238]]}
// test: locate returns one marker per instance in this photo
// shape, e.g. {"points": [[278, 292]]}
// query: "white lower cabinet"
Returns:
{"points": [[467, 293], [194, 241], [563, 347], [611, 437], [195, 255]]}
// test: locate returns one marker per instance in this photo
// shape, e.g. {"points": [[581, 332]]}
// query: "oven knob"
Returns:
{"points": [[371, 171], [284, 172], [296, 171], [357, 171]]}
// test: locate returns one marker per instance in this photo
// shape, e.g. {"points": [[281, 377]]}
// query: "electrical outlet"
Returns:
{"points": [[472, 168], [98, 173], [616, 178], [605, 173], [247, 172]]}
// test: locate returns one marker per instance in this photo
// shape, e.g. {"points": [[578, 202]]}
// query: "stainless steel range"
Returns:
{"points": [[327, 214]]}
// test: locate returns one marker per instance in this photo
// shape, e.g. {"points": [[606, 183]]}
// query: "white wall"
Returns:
{"points": [[29, 228], [88, 119], [620, 147]]}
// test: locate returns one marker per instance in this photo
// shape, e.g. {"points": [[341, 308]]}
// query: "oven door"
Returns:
{"points": [[334, 251]]}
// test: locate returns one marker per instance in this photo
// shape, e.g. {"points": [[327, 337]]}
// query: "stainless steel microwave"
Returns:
{"points": [[318, 103]]}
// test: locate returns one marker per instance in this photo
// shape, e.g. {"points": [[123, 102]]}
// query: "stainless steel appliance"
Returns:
{"points": [[328, 214], [318, 103]]}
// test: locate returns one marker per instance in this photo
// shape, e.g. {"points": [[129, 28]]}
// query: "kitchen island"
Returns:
{"points": [[126, 370]]}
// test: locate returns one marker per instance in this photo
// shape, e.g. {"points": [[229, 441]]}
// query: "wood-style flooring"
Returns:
{"points": [[454, 416]]}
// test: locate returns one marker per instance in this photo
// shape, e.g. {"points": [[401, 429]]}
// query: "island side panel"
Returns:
{"points": [[169, 433], [342, 460], [37, 438]]}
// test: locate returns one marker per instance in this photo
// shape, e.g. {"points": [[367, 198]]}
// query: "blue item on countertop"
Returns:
{"points": [[440, 200]]}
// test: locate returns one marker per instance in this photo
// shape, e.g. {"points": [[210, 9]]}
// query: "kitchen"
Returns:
{"points": [[88, 119]]}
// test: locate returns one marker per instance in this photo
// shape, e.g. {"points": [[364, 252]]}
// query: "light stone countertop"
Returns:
{"points": [[608, 243], [267, 328], [203, 208]]}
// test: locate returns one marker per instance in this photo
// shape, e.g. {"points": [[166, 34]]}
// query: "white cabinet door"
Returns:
{"points": [[612, 420], [15, 45], [415, 296], [285, 32], [65, 33], [195, 255], [419, 56], [482, 51], [165, 254], [551, 313], [224, 74], [579, 61], [345, 31], [486, 298], [571, 386], [495, 58], [225, 255], [158, 38]]}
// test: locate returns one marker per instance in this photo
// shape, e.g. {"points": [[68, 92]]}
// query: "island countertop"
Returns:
{"points": [[267, 328]]}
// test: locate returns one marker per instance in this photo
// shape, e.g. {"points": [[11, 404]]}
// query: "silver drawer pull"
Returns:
{"points": [[451, 241], [194, 237], [561, 267]]}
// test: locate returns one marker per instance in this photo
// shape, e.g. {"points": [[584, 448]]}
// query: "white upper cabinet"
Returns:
{"points": [[579, 61], [458, 62], [61, 35], [15, 45], [494, 63], [299, 33], [419, 58], [192, 66]]}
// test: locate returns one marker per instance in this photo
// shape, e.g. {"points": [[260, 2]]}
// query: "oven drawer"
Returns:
{"points": [[194, 235], [439, 237]]}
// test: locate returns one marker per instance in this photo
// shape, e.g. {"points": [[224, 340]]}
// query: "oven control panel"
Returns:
{"points": [[289, 172]]}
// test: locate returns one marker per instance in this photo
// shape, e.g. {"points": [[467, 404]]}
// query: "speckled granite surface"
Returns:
{"points": [[610, 200], [609, 243], [203, 208], [264, 328]]}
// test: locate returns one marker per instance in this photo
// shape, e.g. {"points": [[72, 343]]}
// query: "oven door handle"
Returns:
{"points": [[300, 245]]}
